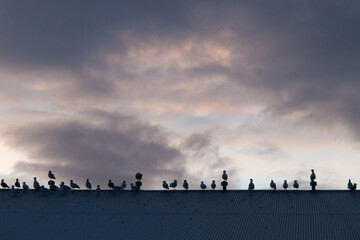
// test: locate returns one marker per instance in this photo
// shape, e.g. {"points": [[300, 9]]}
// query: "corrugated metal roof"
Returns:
{"points": [[181, 215]]}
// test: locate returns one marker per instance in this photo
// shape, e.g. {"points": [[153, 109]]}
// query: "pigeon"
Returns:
{"points": [[98, 189], [185, 185], [285, 185], [350, 185], [111, 184], [52, 186], [173, 184], [312, 176], [273, 185], [73, 185], [213, 184], [138, 184], [296, 184], [64, 188], [134, 188], [51, 175], [251, 185], [43, 189], [3, 184], [202, 185], [17, 184], [36, 185], [224, 175], [25, 186], [123, 185], [165, 185], [138, 176], [88, 184], [354, 187]]}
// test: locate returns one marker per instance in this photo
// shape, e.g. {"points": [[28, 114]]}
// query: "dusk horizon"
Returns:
{"points": [[180, 90]]}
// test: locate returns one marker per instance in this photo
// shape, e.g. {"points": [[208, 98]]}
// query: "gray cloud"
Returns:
{"points": [[268, 150], [115, 147], [285, 57], [198, 141]]}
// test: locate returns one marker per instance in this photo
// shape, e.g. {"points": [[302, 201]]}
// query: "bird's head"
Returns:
{"points": [[251, 179], [34, 178], [312, 170]]}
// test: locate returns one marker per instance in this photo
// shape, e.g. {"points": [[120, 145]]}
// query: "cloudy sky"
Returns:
{"points": [[180, 90]]}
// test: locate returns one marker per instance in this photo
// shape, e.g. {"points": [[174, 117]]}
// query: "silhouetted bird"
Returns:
{"points": [[165, 185], [224, 175], [64, 187], [25, 186], [251, 185], [312, 176], [36, 184], [350, 185], [17, 184], [138, 184], [52, 186], [173, 184], [354, 187], [185, 185], [74, 185], [202, 185], [98, 189], [88, 184], [123, 185], [44, 189], [285, 185], [111, 184], [51, 175], [273, 185], [13, 189], [3, 184], [138, 176], [133, 187], [213, 184], [296, 184]]}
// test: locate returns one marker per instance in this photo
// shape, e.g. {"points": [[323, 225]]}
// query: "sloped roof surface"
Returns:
{"points": [[180, 215]]}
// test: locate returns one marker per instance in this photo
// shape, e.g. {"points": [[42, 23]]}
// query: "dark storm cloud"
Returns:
{"points": [[116, 147], [54, 34], [298, 56]]}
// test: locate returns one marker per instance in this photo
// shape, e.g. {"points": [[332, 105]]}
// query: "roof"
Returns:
{"points": [[180, 214]]}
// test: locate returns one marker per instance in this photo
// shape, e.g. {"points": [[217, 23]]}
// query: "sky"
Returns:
{"points": [[180, 90]]}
